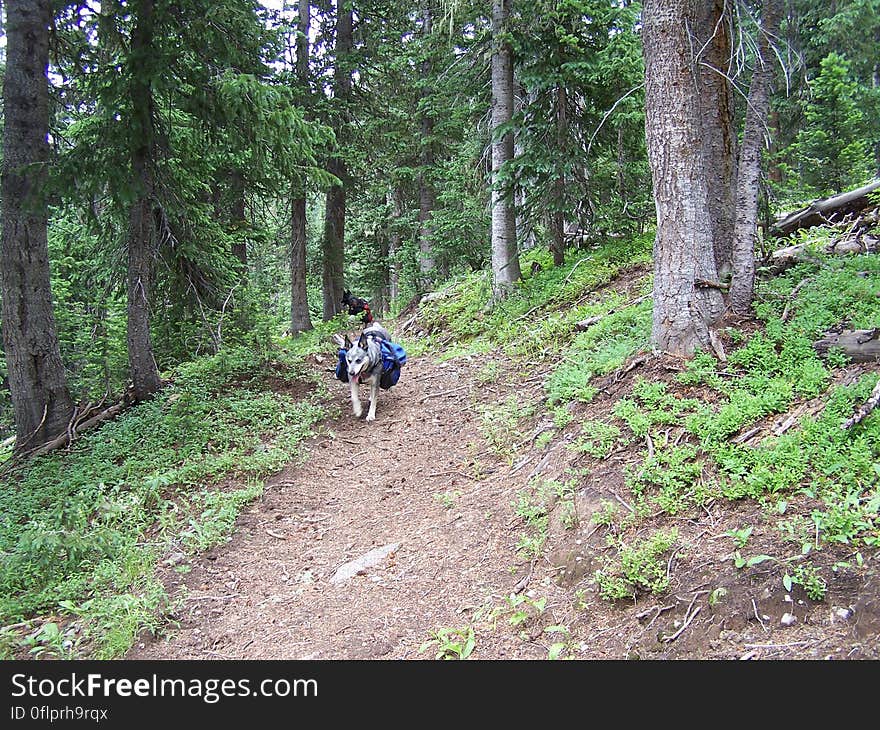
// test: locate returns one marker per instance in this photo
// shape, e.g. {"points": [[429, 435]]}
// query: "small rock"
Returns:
{"points": [[843, 613], [174, 558], [788, 619], [360, 565]]}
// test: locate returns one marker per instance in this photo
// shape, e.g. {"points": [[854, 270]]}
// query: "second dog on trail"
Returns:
{"points": [[356, 305]]}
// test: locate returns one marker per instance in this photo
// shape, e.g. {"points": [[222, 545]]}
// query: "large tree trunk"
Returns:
{"points": [[427, 199], [334, 243], [394, 243], [557, 219], [716, 104], [745, 232], [334, 213], [683, 247], [300, 319], [238, 216], [505, 262], [144, 373], [37, 382]]}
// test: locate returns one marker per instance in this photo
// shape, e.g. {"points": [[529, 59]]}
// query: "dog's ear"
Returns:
{"points": [[362, 342], [347, 342]]}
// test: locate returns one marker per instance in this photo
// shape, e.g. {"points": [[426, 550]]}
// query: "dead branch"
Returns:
{"points": [[864, 410], [825, 209], [68, 436], [794, 292]]}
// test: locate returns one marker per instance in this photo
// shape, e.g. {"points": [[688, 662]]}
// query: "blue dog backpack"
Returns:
{"points": [[393, 357]]}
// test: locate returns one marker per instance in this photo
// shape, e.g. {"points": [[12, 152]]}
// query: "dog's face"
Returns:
{"points": [[357, 358]]}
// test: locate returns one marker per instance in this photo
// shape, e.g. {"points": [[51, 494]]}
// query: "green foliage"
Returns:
{"points": [[599, 351], [831, 148], [637, 567], [597, 439], [84, 529], [806, 574], [672, 478], [499, 424], [451, 643]]}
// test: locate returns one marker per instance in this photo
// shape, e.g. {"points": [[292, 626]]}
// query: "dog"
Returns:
{"points": [[356, 305], [364, 362]]}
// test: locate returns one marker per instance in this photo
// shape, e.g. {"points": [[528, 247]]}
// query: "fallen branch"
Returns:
{"points": [[67, 437], [794, 292], [442, 392], [865, 409]]}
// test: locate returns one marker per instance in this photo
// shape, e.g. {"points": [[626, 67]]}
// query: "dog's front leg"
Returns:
{"points": [[374, 397], [356, 398]]}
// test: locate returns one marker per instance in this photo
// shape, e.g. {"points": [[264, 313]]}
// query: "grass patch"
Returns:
{"points": [[82, 531]]}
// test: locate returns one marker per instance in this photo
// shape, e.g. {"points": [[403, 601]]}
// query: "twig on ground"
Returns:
{"points": [[687, 622], [757, 616], [443, 392]]}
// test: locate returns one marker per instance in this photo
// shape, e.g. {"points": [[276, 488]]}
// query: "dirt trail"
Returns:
{"points": [[405, 479], [422, 477]]}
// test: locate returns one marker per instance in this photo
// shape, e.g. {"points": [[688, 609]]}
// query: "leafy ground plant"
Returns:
{"points": [[451, 643]]}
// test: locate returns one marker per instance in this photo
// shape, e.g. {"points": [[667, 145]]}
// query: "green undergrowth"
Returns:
{"points": [[689, 425], [537, 320], [762, 426], [82, 531]]}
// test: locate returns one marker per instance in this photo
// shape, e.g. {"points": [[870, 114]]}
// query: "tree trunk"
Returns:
{"points": [[745, 232], [37, 382], [144, 373], [427, 199], [505, 262], [394, 243], [557, 241], [334, 213], [300, 319], [716, 103], [238, 216], [683, 247], [334, 243]]}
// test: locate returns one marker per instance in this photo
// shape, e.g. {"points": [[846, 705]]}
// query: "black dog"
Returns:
{"points": [[356, 305]]}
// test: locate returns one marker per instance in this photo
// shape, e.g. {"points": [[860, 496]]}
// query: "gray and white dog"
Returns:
{"points": [[364, 361]]}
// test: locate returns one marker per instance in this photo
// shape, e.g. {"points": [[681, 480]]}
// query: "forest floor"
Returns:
{"points": [[424, 487]]}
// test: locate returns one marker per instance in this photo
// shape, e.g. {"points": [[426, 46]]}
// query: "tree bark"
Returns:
{"points": [[858, 345], [394, 243], [505, 261], [334, 243], [239, 219], [557, 240], [334, 213], [427, 197], [144, 372], [712, 31], [300, 318], [41, 402], [683, 247], [742, 284]]}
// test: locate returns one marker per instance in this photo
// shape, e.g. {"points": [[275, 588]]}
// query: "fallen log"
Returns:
{"points": [[864, 410], [825, 209], [858, 345]]}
